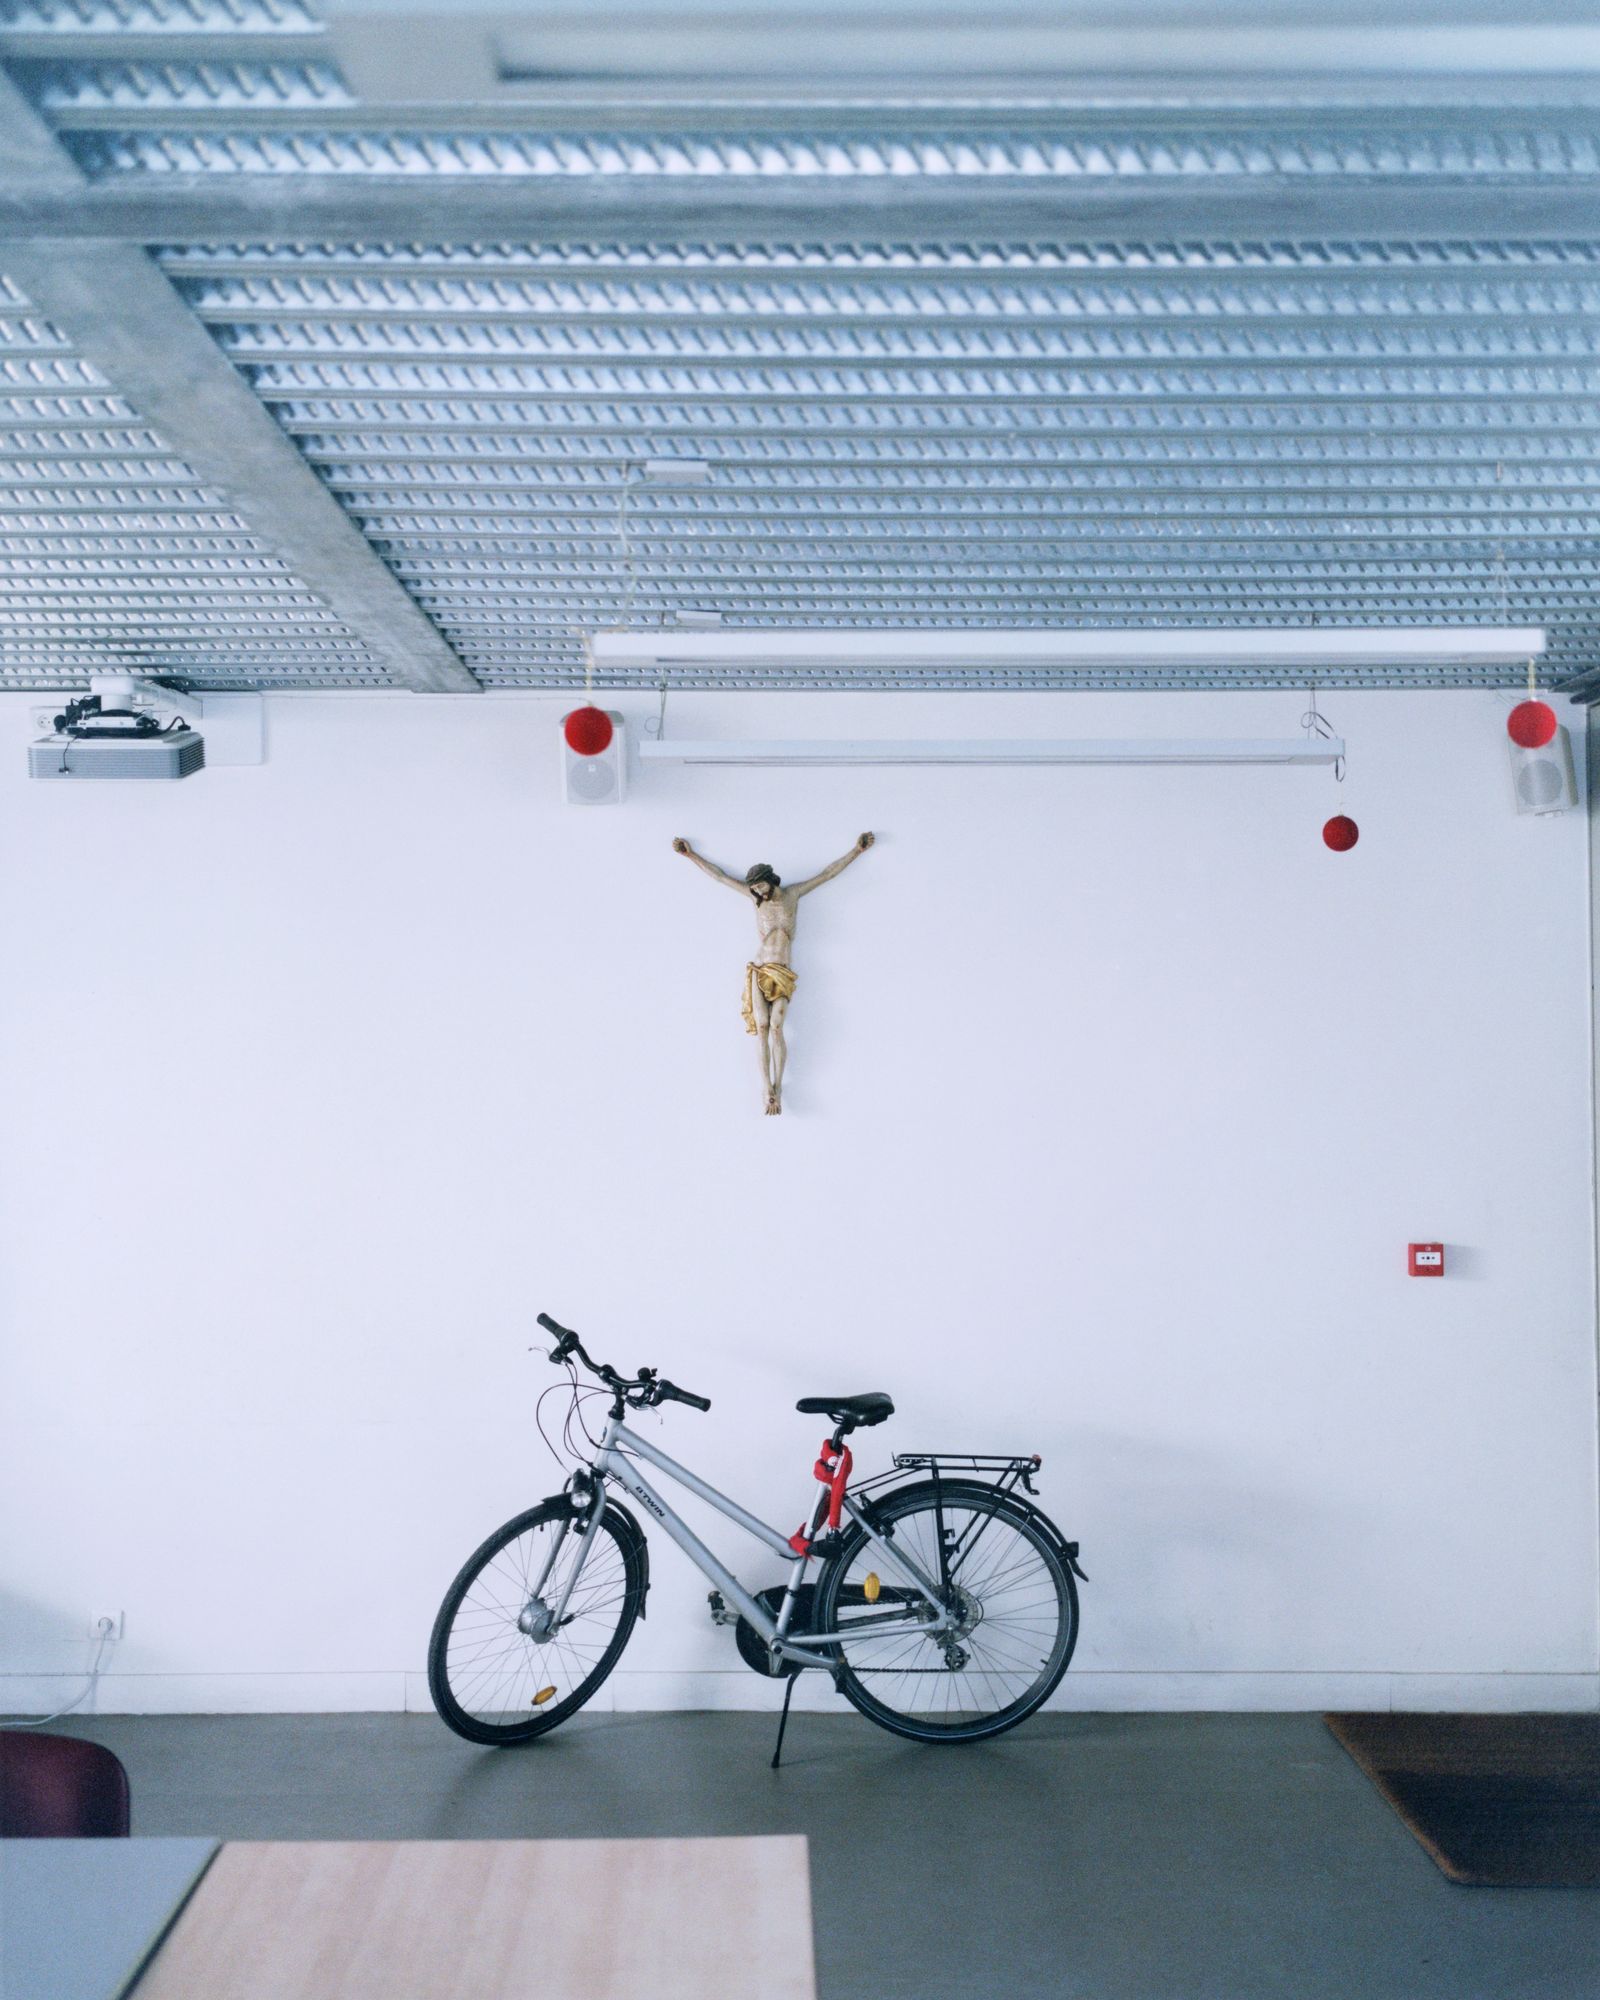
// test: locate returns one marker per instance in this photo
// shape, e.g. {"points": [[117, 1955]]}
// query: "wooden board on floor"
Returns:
{"points": [[494, 1920]]}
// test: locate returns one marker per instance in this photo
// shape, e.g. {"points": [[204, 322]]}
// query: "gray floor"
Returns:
{"points": [[1112, 1857]]}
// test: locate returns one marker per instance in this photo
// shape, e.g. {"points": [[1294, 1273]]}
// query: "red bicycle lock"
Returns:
{"points": [[833, 1469]]}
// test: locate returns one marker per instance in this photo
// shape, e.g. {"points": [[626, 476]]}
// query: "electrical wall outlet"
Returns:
{"points": [[106, 1625]]}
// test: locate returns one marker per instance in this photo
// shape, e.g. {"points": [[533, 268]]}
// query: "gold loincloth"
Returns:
{"points": [[777, 982]]}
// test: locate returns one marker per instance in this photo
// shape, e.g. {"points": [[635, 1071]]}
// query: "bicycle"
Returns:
{"points": [[945, 1609]]}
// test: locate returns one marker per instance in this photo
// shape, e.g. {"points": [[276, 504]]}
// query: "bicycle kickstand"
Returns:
{"points": [[783, 1718]]}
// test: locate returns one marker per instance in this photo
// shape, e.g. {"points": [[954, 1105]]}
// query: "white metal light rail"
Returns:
{"points": [[1308, 649], [1088, 750]]}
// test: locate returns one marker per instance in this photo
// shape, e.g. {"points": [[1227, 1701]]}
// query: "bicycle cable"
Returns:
{"points": [[555, 1389]]}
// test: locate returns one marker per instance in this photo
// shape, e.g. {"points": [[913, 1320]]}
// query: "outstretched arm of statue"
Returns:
{"points": [[835, 867], [681, 846]]}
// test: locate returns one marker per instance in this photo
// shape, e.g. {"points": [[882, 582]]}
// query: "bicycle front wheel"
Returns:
{"points": [[500, 1670], [1013, 1603]]}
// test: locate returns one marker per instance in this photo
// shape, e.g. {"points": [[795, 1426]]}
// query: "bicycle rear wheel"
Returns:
{"points": [[1014, 1601], [493, 1680]]}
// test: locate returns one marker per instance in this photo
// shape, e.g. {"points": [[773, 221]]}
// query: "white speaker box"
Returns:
{"points": [[1543, 780], [599, 780]]}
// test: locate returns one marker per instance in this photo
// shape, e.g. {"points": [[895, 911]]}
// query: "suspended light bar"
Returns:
{"points": [[1308, 648], [1111, 750], [1029, 46]]}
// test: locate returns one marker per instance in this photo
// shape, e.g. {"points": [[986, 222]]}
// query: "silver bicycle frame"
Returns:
{"points": [[612, 1461]]}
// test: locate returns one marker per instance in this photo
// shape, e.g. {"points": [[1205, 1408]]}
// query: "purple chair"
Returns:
{"points": [[59, 1786]]}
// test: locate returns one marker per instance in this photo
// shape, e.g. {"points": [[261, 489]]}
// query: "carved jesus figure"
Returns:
{"points": [[769, 979]]}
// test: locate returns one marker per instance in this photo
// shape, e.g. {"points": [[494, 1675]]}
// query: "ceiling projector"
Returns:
{"points": [[93, 737]]}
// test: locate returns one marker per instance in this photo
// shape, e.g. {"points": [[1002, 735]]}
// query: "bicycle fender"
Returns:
{"points": [[578, 1496], [1068, 1551], [626, 1523], [952, 1489]]}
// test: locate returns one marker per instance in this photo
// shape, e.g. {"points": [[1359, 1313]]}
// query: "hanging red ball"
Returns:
{"points": [[588, 731], [1531, 725], [1341, 834]]}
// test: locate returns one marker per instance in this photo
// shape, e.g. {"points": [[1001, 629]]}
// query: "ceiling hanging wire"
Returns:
{"points": [[1340, 831], [623, 541], [1503, 582], [624, 538], [1315, 723]]}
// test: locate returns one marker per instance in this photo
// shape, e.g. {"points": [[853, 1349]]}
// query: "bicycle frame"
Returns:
{"points": [[613, 1461]]}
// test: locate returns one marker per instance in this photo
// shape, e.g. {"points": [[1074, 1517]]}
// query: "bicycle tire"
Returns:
{"points": [[863, 1684], [523, 1667]]}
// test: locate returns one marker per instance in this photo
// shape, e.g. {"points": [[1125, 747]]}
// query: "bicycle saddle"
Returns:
{"points": [[868, 1409]]}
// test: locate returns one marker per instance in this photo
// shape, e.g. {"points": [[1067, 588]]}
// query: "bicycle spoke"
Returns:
{"points": [[1011, 1613], [492, 1670]]}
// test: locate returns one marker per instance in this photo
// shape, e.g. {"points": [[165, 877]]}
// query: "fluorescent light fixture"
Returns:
{"points": [[1301, 647], [854, 48], [1087, 750]]}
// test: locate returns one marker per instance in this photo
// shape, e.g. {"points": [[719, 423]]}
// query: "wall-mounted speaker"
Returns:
{"points": [[1543, 779], [594, 759]]}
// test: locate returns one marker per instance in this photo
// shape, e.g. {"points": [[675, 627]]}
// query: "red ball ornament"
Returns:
{"points": [[588, 731], [1531, 725], [1341, 834]]}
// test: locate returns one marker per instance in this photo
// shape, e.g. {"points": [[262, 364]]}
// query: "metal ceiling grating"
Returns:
{"points": [[80, 19], [170, 142], [112, 552], [1148, 419], [939, 439]]}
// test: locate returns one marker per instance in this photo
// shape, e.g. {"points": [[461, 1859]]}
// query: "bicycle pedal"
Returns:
{"points": [[720, 1614]]}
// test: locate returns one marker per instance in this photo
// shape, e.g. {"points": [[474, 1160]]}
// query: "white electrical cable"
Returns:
{"points": [[107, 1638]]}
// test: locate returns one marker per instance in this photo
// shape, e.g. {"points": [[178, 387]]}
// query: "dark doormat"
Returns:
{"points": [[1500, 1801]]}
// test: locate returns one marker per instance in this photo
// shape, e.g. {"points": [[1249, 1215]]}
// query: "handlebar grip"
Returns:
{"points": [[566, 1339], [670, 1392]]}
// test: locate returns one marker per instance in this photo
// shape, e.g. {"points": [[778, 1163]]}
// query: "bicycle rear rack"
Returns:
{"points": [[1005, 1471]]}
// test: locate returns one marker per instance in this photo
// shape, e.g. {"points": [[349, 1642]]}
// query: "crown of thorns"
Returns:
{"points": [[762, 872]]}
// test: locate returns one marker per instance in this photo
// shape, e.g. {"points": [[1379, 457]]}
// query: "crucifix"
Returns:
{"points": [[769, 978]]}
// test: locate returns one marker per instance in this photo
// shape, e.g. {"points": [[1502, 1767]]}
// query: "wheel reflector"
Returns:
{"points": [[871, 1587], [542, 1697]]}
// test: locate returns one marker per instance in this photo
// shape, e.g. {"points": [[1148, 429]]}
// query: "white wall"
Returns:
{"points": [[1114, 1101]]}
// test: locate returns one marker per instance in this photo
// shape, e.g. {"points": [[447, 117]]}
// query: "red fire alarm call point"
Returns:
{"points": [[1425, 1260]]}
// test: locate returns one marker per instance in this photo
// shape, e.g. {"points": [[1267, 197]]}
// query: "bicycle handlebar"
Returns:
{"points": [[566, 1339], [669, 1392], [646, 1389]]}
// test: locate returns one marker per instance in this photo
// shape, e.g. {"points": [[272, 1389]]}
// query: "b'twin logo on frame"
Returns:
{"points": [[647, 1500]]}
